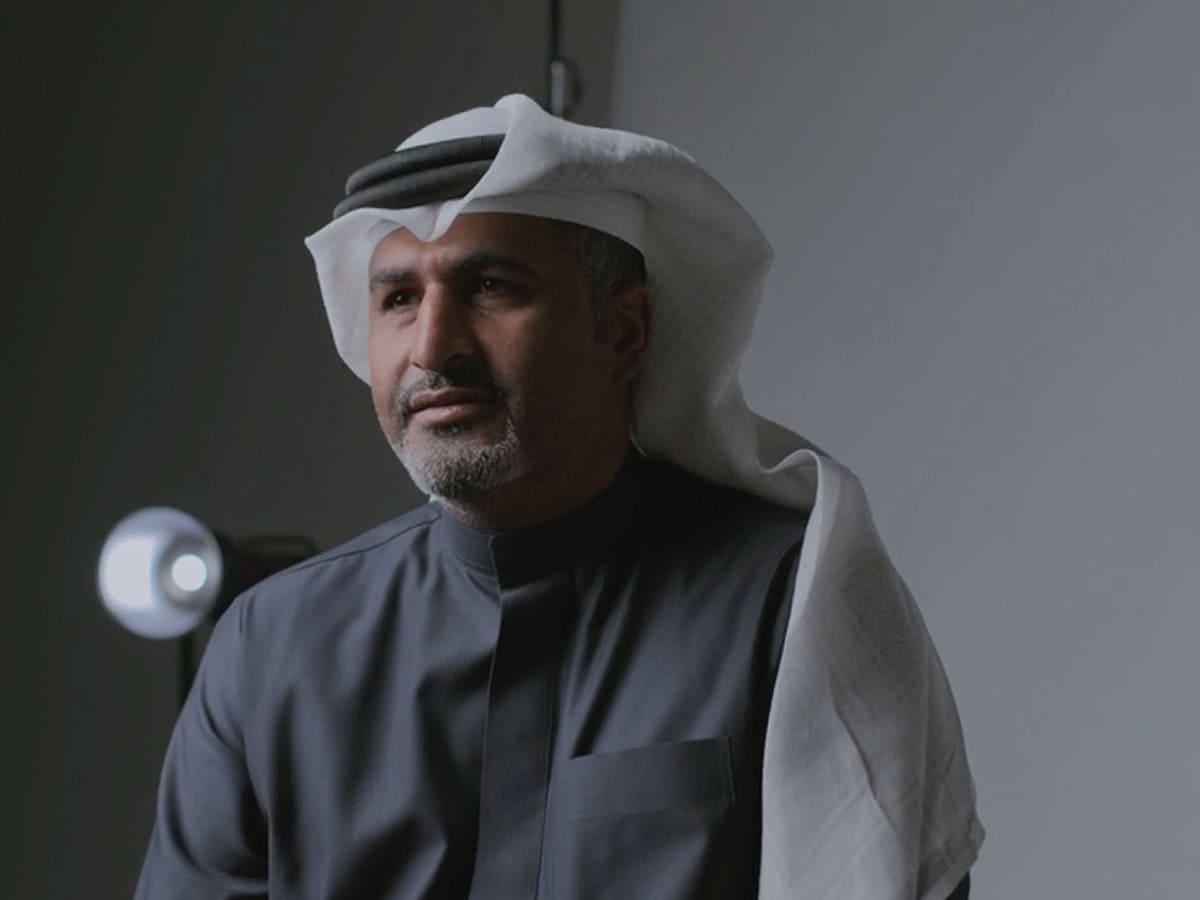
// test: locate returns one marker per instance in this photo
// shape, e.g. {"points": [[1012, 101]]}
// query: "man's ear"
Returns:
{"points": [[627, 331]]}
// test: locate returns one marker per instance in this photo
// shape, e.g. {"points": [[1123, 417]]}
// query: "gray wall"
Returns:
{"points": [[987, 219], [164, 340]]}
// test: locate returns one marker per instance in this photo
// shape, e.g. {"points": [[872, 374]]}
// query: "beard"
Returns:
{"points": [[457, 462], [449, 464]]}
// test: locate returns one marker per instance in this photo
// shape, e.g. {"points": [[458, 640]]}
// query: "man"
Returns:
{"points": [[642, 643]]}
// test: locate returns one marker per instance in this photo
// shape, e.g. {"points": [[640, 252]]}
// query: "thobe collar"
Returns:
{"points": [[523, 554]]}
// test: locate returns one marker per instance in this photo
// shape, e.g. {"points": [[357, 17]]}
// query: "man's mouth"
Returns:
{"points": [[447, 406]]}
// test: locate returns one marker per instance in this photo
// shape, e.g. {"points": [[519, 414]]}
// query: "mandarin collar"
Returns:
{"points": [[523, 554]]}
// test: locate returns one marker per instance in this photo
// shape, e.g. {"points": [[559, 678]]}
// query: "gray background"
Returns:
{"points": [[987, 220], [986, 217]]}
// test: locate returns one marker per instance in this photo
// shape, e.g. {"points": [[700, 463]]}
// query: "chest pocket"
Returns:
{"points": [[648, 822]]}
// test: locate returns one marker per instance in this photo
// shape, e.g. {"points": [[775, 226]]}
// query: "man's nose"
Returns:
{"points": [[443, 332]]}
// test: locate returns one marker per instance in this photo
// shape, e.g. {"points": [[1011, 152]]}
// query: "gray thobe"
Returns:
{"points": [[573, 711]]}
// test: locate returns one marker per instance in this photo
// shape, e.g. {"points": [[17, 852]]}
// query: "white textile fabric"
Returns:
{"points": [[866, 790]]}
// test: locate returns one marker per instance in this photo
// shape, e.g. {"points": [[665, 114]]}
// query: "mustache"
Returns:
{"points": [[475, 375]]}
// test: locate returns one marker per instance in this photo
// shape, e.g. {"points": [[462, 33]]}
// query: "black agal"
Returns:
{"points": [[415, 176]]}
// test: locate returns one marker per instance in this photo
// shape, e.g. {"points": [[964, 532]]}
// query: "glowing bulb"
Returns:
{"points": [[125, 573], [160, 572], [189, 572]]}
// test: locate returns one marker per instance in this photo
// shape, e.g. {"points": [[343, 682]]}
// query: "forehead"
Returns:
{"points": [[532, 240]]}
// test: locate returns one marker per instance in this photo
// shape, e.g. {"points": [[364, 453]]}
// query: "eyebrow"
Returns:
{"points": [[468, 265]]}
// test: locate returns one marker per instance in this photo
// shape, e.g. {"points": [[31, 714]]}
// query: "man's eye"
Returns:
{"points": [[398, 299], [499, 290], [494, 286]]}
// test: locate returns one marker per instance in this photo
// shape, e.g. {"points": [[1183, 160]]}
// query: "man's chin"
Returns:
{"points": [[459, 460]]}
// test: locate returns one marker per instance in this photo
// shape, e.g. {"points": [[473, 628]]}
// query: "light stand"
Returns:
{"points": [[563, 86], [162, 573]]}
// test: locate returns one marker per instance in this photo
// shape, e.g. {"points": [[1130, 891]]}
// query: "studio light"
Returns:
{"points": [[160, 572]]}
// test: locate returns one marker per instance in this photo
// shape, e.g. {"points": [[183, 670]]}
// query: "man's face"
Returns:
{"points": [[485, 360]]}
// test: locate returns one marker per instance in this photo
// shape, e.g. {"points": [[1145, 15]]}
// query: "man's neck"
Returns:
{"points": [[538, 497]]}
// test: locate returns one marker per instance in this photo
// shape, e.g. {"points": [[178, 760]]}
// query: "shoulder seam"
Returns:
{"points": [[311, 563]]}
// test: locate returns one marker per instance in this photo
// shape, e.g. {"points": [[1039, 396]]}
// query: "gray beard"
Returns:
{"points": [[448, 470]]}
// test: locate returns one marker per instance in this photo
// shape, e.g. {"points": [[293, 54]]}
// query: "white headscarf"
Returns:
{"points": [[866, 790]]}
